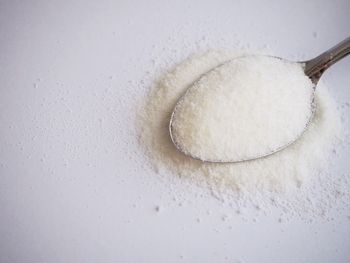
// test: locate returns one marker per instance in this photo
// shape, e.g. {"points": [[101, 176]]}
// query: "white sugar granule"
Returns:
{"points": [[290, 167], [243, 109]]}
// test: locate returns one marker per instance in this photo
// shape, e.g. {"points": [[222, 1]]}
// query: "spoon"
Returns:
{"points": [[313, 69]]}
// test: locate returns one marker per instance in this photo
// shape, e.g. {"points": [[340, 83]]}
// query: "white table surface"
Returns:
{"points": [[74, 184]]}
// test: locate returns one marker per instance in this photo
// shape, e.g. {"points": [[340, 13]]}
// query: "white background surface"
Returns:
{"points": [[74, 184]]}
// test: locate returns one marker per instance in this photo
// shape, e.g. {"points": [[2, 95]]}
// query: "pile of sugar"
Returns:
{"points": [[243, 109], [292, 166]]}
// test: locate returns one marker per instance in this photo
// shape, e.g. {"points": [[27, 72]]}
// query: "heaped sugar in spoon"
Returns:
{"points": [[249, 107]]}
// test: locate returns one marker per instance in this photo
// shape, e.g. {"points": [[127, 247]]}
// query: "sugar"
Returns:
{"points": [[243, 109], [290, 167]]}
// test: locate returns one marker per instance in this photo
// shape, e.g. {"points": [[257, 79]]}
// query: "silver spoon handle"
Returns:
{"points": [[315, 67]]}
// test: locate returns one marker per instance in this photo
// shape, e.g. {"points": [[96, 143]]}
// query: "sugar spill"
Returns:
{"points": [[297, 169]]}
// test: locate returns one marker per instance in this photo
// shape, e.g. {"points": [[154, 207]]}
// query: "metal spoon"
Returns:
{"points": [[313, 68]]}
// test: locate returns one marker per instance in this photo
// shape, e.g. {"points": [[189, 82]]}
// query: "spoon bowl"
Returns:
{"points": [[313, 69]]}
